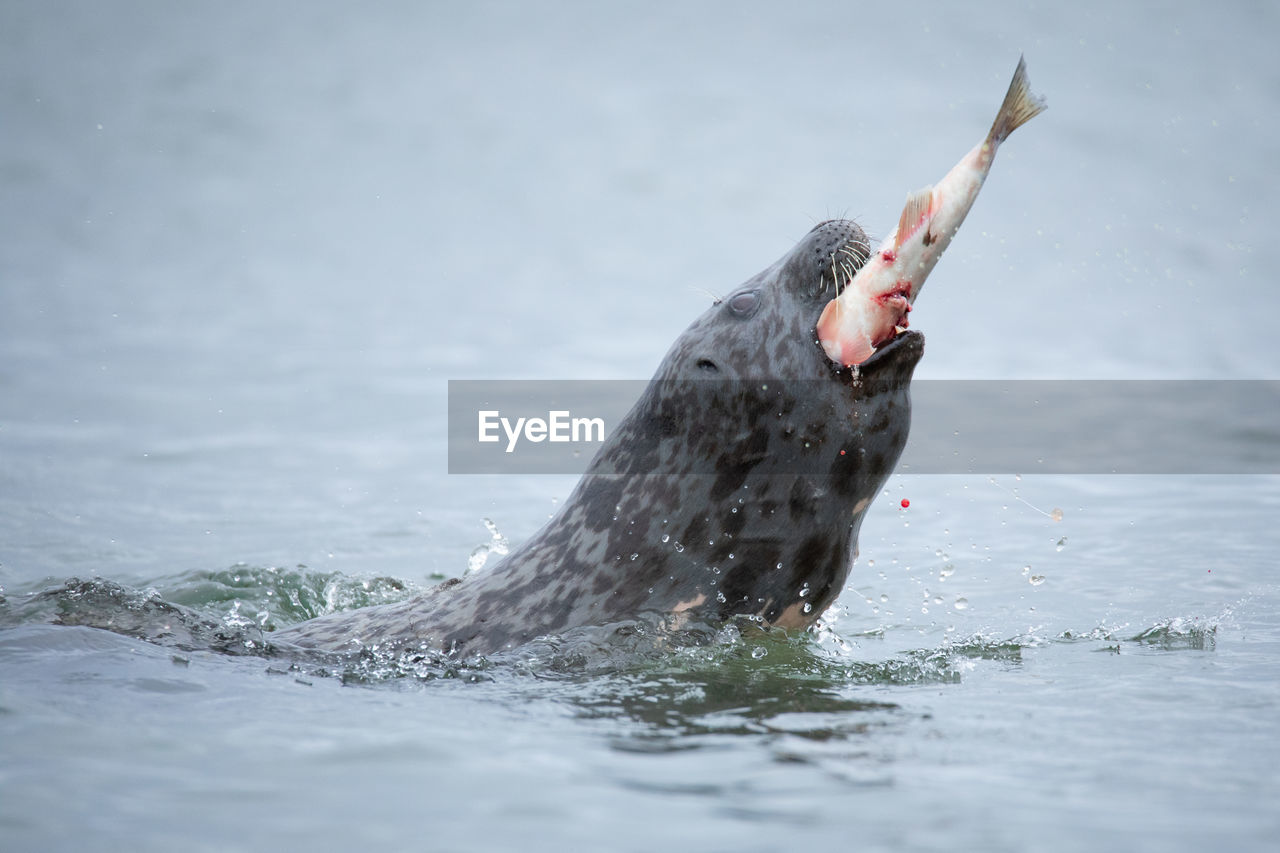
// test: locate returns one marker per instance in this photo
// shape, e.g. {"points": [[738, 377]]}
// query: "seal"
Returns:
{"points": [[736, 485]]}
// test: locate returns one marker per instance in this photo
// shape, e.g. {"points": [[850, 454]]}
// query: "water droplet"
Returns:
{"points": [[1056, 514], [961, 603], [808, 605], [720, 597], [679, 547], [666, 537], [870, 563], [475, 562], [1036, 580], [1062, 543], [946, 571], [804, 590], [634, 556], [937, 599], [759, 652], [884, 599], [1026, 570]]}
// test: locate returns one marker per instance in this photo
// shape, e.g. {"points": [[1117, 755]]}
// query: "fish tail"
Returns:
{"points": [[1019, 107]]}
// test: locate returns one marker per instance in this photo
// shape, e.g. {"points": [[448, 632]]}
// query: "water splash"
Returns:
{"points": [[233, 612], [142, 614], [1177, 633], [278, 596], [497, 544]]}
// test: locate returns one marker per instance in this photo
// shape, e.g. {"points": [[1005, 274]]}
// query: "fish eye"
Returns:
{"points": [[744, 304]]}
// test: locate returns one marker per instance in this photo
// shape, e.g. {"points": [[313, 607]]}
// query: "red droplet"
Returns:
{"points": [[842, 453], [889, 256], [905, 503]]}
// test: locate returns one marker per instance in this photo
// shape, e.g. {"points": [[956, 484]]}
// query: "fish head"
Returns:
{"points": [[870, 312], [765, 328]]}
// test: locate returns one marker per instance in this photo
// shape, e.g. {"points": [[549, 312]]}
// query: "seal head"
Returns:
{"points": [[735, 486]]}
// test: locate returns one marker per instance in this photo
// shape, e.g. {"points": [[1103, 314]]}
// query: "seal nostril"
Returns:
{"points": [[708, 365]]}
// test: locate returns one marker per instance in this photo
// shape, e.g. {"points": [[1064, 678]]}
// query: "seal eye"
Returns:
{"points": [[744, 304]]}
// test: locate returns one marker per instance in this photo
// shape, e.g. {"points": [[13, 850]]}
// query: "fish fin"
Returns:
{"points": [[1020, 106], [914, 213]]}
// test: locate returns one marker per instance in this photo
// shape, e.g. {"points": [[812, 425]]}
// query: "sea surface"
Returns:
{"points": [[245, 246]]}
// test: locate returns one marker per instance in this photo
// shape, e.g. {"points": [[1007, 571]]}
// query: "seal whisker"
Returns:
{"points": [[715, 300], [860, 251], [841, 273], [848, 272], [835, 276]]}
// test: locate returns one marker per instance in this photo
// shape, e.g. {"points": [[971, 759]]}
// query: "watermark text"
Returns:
{"points": [[558, 426]]}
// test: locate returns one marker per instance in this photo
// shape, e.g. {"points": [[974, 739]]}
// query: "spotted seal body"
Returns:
{"points": [[736, 485]]}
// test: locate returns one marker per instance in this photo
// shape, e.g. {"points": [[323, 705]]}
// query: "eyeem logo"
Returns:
{"points": [[957, 426], [558, 426], [538, 426]]}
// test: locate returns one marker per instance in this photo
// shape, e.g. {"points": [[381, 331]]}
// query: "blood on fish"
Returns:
{"points": [[901, 291], [905, 503], [875, 300]]}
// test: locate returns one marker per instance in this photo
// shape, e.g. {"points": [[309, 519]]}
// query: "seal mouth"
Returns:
{"points": [[905, 343]]}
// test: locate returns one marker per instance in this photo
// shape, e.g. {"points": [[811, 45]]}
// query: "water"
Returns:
{"points": [[246, 247]]}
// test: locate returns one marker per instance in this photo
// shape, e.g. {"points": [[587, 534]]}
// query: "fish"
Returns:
{"points": [[872, 308]]}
